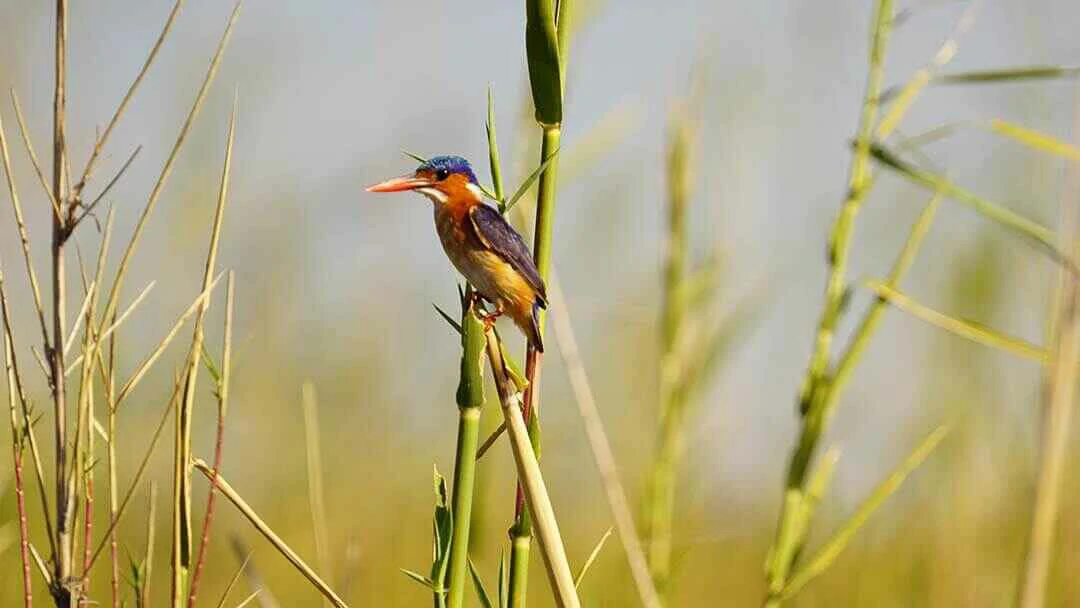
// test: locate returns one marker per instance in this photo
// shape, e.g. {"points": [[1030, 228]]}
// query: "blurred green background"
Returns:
{"points": [[336, 286]]}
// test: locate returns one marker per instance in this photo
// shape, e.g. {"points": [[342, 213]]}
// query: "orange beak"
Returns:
{"points": [[401, 184]]}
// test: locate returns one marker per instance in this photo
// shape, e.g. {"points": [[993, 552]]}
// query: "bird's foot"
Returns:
{"points": [[489, 318]]}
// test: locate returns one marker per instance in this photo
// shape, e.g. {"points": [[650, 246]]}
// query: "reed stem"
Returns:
{"points": [[470, 401], [661, 501], [792, 526], [1057, 415], [62, 592], [532, 483]]}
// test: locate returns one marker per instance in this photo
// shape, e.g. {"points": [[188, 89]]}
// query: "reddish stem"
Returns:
{"points": [[209, 517], [115, 558], [24, 532]]}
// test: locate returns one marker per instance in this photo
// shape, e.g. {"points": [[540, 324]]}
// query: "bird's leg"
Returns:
{"points": [[487, 318]]}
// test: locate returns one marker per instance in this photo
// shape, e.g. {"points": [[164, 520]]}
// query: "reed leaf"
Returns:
{"points": [[839, 541]]}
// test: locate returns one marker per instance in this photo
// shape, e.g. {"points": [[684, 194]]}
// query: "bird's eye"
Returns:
{"points": [[441, 174]]}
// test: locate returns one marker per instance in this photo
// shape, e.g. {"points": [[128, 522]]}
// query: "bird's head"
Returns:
{"points": [[443, 179]]}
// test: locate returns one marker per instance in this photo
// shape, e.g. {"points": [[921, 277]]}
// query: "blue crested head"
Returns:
{"points": [[449, 165]]}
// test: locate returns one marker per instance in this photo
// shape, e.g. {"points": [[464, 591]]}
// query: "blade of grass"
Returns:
{"points": [[839, 541], [529, 181], [114, 324], [1008, 75], [316, 494], [964, 329], [1012, 221], [478, 584], [152, 358], [922, 77], [29, 145], [493, 148], [1035, 140], [592, 557], [251, 573], [159, 185], [89, 209], [24, 236], [250, 598], [416, 157], [232, 582], [872, 318], [182, 534], [100, 144], [79, 317]]}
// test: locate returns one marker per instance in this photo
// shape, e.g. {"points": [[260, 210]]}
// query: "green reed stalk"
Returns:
{"points": [[546, 44], [793, 521], [661, 501], [470, 401], [521, 532]]}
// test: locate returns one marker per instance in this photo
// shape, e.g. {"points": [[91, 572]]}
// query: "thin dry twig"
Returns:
{"points": [[1060, 396], [602, 453], [100, 145], [269, 533], [29, 145], [532, 483]]}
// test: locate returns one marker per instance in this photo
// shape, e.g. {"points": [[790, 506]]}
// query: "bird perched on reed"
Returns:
{"points": [[480, 243]]}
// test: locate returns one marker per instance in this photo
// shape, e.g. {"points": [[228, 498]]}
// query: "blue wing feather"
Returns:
{"points": [[496, 233]]}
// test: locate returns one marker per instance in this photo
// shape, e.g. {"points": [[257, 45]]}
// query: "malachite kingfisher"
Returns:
{"points": [[480, 243]]}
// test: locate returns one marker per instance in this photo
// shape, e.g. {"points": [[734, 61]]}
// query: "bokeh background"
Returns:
{"points": [[335, 286]]}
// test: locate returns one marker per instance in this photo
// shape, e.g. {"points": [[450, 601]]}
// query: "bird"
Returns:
{"points": [[479, 242]]}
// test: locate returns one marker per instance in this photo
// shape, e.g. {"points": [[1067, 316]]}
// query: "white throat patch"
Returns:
{"points": [[435, 196]]}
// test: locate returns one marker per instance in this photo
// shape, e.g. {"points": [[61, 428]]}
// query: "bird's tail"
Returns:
{"points": [[536, 340]]}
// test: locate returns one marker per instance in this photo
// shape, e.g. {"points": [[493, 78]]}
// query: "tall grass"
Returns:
{"points": [[90, 489], [73, 549]]}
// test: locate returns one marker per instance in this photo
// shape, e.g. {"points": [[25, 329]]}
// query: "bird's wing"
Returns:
{"points": [[499, 236]]}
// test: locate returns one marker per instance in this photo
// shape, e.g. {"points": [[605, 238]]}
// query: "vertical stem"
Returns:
{"points": [[219, 441], [661, 505], [182, 541], [521, 532], [545, 201], [470, 401], [110, 391], [64, 506], [310, 404], [17, 449], [88, 488], [536, 495], [1060, 396], [792, 527], [143, 594]]}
